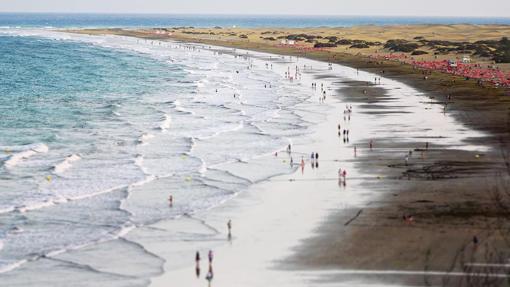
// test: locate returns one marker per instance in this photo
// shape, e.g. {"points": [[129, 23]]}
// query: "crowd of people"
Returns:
{"points": [[483, 73], [489, 74]]}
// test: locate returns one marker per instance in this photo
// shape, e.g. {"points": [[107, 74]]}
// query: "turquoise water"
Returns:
{"points": [[49, 87], [71, 115]]}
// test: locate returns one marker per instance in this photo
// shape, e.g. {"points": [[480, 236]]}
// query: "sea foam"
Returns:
{"points": [[16, 158], [66, 164]]}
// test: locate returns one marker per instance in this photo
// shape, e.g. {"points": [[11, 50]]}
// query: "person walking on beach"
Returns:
{"points": [[171, 201], [197, 258], [229, 227], [197, 264], [371, 144], [210, 255], [302, 165]]}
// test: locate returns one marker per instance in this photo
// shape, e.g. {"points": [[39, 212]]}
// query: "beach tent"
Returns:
{"points": [[288, 42]]}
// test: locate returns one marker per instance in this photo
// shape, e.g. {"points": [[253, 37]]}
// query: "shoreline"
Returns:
{"points": [[466, 108], [419, 269], [359, 233]]}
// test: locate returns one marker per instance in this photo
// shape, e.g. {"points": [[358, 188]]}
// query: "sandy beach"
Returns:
{"points": [[449, 188]]}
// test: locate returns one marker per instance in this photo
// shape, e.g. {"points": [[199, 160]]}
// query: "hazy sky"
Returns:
{"points": [[489, 8]]}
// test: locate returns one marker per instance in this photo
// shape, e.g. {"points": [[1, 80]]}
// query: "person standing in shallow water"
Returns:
{"points": [[229, 227]]}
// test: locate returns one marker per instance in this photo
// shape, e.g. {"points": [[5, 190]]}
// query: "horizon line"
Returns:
{"points": [[246, 14]]}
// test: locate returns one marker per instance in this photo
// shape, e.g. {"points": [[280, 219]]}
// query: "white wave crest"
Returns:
{"points": [[16, 158], [165, 124], [12, 266], [145, 138], [66, 164]]}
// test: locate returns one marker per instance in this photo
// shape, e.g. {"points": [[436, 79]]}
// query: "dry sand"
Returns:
{"points": [[270, 38]]}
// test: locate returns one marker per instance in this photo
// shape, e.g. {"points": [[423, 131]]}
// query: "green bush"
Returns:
{"points": [[502, 53], [419, 52], [360, 46], [324, 45], [401, 46]]}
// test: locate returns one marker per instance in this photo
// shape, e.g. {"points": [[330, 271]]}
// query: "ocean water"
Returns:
{"points": [[97, 132], [104, 20]]}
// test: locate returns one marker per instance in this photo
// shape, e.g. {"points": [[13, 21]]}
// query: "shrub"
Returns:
{"points": [[419, 52], [344, 42], [324, 45], [360, 46], [502, 53], [401, 46], [332, 39]]}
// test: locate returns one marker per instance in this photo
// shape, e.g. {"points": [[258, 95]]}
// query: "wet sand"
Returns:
{"points": [[452, 196], [359, 234]]}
